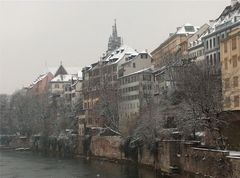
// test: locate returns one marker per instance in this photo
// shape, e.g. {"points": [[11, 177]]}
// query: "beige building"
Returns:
{"points": [[230, 60], [175, 45]]}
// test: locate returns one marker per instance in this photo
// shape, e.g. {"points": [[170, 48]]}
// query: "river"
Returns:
{"points": [[30, 165]]}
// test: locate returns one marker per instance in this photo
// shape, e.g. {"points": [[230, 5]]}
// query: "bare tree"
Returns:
{"points": [[201, 87]]}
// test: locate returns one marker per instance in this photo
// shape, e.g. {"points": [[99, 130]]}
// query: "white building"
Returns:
{"points": [[195, 44], [135, 83]]}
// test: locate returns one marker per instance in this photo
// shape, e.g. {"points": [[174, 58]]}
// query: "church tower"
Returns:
{"points": [[114, 41]]}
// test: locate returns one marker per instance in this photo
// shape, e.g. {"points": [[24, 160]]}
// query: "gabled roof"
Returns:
{"points": [[65, 70], [60, 71]]}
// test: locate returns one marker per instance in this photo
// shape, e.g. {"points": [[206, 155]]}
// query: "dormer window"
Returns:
{"points": [[189, 29]]}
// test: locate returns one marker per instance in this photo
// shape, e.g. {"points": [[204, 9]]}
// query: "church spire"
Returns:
{"points": [[114, 32], [114, 41]]}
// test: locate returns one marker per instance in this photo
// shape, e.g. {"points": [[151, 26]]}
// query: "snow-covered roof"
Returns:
{"points": [[64, 78], [230, 15], [139, 71], [187, 29], [144, 52], [120, 53], [128, 60], [70, 70], [39, 78], [203, 31]]}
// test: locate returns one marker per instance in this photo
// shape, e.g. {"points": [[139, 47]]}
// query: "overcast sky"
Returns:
{"points": [[34, 34]]}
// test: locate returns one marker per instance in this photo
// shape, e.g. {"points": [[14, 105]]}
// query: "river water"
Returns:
{"points": [[29, 165]]}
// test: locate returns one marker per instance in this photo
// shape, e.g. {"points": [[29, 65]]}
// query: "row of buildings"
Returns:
{"points": [[113, 88]]}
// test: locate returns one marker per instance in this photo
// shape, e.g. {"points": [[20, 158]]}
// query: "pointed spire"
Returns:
{"points": [[114, 29], [114, 41]]}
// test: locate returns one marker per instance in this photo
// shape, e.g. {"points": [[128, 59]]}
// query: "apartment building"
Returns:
{"points": [[230, 60], [228, 20], [175, 46], [100, 84], [135, 89]]}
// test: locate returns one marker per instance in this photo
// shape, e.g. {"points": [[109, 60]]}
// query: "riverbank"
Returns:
{"points": [[28, 164], [174, 158]]}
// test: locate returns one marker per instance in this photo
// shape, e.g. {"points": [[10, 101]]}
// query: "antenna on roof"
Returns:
{"points": [[61, 63]]}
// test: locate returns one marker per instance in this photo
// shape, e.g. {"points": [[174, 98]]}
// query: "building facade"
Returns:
{"points": [[230, 60], [229, 19], [195, 44], [174, 47], [133, 83], [135, 90], [99, 78]]}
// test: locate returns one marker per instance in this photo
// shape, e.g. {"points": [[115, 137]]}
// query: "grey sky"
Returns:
{"points": [[33, 33]]}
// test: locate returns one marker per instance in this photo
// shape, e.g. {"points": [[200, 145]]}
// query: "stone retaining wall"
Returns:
{"points": [[106, 146]]}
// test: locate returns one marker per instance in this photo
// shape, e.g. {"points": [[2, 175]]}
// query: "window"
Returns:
{"points": [[144, 56], [223, 36], [211, 61], [189, 29], [227, 83], [226, 63], [234, 61], [214, 42], [56, 85], [218, 57], [235, 81], [210, 43], [134, 65], [234, 43], [227, 102], [225, 47], [207, 44], [208, 60], [215, 58], [236, 101]]}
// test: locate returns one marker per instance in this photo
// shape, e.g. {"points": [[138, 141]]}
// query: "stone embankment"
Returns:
{"points": [[174, 157], [171, 157], [16, 142]]}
